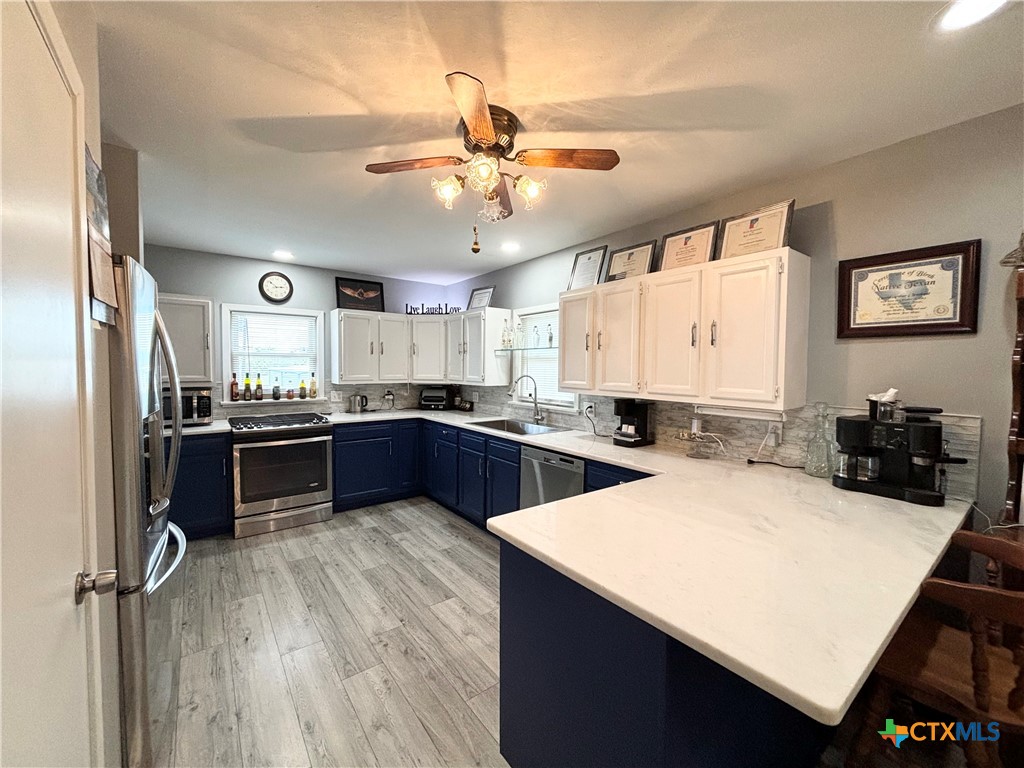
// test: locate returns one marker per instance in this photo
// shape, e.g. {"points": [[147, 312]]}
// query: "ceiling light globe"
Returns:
{"points": [[448, 189], [963, 13], [529, 189], [482, 172]]}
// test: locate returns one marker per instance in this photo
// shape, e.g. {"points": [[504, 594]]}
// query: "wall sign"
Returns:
{"points": [[431, 309], [923, 291]]}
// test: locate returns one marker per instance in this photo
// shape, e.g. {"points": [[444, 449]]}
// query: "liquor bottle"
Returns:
{"points": [[302, 389], [312, 385], [247, 388], [234, 388], [276, 392], [259, 387]]}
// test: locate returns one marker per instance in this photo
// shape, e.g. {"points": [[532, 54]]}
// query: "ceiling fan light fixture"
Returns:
{"points": [[529, 189], [482, 172], [446, 190], [492, 212], [960, 14]]}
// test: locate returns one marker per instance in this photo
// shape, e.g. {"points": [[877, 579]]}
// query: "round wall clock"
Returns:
{"points": [[275, 287]]}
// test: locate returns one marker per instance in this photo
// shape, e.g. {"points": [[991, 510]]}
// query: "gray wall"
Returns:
{"points": [[959, 183]]}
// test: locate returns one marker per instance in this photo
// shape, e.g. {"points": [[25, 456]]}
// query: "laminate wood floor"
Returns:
{"points": [[367, 640]]}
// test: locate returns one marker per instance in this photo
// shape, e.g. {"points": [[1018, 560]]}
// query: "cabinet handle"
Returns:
{"points": [[714, 332], [693, 335], [435, 450], [480, 467], [587, 349], [207, 341], [371, 347], [488, 470], [224, 467], [382, 349], [414, 347], [599, 333], [391, 451]]}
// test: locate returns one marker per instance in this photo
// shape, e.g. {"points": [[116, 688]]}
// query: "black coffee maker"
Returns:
{"points": [[897, 457], [635, 427]]}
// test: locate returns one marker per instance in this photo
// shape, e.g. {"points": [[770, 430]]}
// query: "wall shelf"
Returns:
{"points": [[524, 349]]}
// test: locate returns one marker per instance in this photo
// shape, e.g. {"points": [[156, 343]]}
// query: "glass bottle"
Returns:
{"points": [[276, 391], [819, 447], [247, 388], [312, 385], [234, 387], [259, 387], [551, 336], [520, 335], [302, 389], [536, 336], [506, 335]]}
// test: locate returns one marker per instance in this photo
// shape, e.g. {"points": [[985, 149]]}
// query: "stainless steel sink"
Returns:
{"points": [[517, 427]]}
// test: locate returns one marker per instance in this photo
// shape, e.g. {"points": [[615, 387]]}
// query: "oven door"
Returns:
{"points": [[282, 474]]}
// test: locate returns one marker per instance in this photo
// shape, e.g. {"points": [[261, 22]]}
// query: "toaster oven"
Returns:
{"points": [[435, 399]]}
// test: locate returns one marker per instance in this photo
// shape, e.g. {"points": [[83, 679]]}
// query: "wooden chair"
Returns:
{"points": [[967, 675]]}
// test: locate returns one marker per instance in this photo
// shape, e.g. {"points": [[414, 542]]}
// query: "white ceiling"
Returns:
{"points": [[255, 120]]}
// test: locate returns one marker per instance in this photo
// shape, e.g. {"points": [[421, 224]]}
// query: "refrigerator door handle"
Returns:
{"points": [[175, 386], [179, 536]]}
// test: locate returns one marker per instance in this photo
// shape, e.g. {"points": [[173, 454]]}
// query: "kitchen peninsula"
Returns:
{"points": [[727, 606]]}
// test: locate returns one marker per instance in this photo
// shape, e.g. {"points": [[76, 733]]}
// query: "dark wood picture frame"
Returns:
{"points": [[650, 245], [789, 206], [487, 290], [603, 250], [714, 226], [966, 293], [359, 294]]}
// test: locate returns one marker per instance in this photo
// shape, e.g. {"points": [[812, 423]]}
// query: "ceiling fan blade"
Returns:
{"points": [[586, 159], [503, 197], [471, 100], [411, 165]]}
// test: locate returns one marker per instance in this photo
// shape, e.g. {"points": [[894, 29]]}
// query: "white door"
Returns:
{"points": [[473, 347], [393, 352], [428, 344], [672, 334], [575, 340], [358, 347], [188, 320], [741, 333], [49, 659], [455, 369], [618, 338]]}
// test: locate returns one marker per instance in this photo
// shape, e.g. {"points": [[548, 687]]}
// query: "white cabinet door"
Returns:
{"points": [[618, 338], [428, 345], [672, 334], [189, 322], [473, 347], [393, 350], [741, 333], [358, 351], [576, 340], [455, 368]]}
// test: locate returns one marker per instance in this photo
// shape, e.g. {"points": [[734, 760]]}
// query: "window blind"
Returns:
{"points": [[280, 348], [541, 361]]}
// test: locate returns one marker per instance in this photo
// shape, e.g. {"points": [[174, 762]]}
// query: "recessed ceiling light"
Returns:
{"points": [[510, 247], [284, 255], [963, 13]]}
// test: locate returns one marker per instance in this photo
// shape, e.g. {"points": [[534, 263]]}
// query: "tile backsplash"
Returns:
{"points": [[741, 438]]}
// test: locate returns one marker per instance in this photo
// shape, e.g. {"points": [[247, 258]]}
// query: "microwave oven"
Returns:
{"points": [[196, 406]]}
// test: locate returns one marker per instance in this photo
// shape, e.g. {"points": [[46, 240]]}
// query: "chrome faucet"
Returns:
{"points": [[537, 417]]}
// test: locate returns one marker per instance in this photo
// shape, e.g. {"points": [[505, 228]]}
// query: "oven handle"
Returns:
{"points": [[271, 444]]}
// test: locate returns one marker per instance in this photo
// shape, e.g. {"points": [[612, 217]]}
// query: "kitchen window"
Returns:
{"points": [[539, 360], [283, 346]]}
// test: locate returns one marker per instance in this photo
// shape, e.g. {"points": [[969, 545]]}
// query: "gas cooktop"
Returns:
{"points": [[276, 421]]}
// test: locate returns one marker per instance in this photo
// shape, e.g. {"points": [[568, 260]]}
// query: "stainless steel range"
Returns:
{"points": [[283, 471]]}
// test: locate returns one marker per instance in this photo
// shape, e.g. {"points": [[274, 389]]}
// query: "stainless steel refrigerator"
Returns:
{"points": [[149, 546]]}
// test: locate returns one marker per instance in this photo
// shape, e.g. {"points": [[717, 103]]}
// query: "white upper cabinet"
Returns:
{"points": [[189, 321], [428, 349], [393, 350], [575, 333], [729, 333], [473, 338], [672, 322], [473, 326], [618, 337], [455, 367], [354, 342]]}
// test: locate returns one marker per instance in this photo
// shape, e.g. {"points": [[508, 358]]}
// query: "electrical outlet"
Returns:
{"points": [[336, 396], [774, 435], [588, 405], [473, 397]]}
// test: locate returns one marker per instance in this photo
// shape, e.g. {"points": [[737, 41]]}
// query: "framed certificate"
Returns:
{"points": [[630, 262], [586, 268], [757, 231], [909, 293], [480, 297], [688, 246]]}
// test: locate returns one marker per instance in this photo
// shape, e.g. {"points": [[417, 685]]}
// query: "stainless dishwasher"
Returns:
{"points": [[546, 476]]}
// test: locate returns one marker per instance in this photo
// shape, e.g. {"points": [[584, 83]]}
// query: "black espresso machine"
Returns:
{"points": [[636, 426], [899, 459]]}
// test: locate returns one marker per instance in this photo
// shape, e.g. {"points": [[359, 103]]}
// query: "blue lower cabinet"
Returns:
{"points": [[444, 469], [202, 497], [472, 485], [362, 471], [502, 486], [600, 475], [407, 451]]}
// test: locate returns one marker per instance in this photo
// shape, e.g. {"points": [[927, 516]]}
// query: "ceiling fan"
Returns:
{"points": [[489, 133]]}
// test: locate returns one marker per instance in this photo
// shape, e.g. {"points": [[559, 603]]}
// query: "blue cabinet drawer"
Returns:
{"points": [[600, 475], [503, 449], [447, 434], [361, 431], [472, 441]]}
